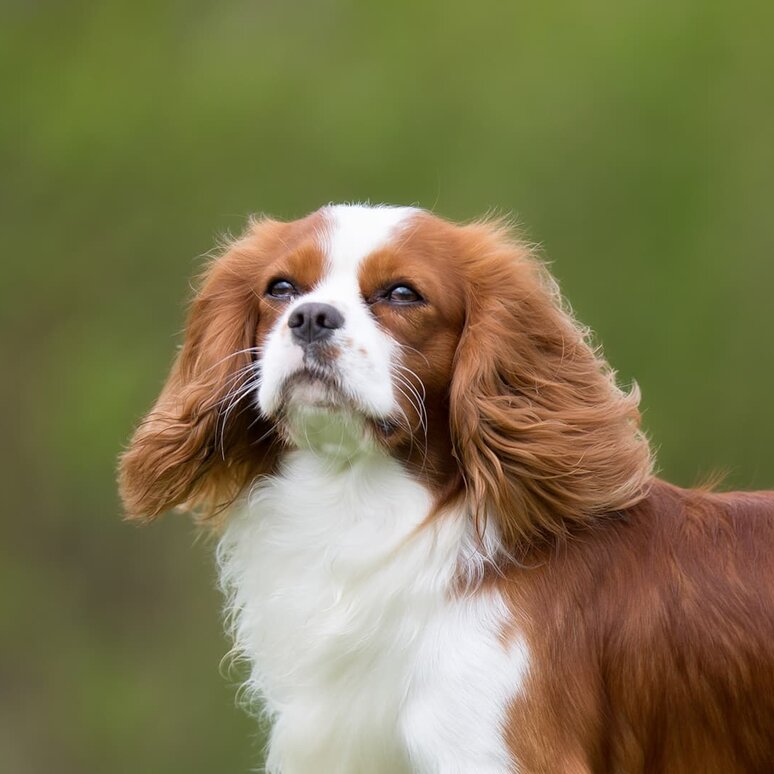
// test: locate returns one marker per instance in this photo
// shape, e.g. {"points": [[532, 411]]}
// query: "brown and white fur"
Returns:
{"points": [[442, 543]]}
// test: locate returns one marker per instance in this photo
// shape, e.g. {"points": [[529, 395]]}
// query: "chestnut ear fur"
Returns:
{"points": [[200, 444], [544, 437]]}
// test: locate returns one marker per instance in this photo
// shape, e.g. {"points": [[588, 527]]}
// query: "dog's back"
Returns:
{"points": [[653, 641]]}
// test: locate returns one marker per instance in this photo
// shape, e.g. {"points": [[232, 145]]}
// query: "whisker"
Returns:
{"points": [[414, 390], [412, 349], [251, 350], [235, 395], [407, 370], [419, 406], [411, 397], [410, 429], [231, 381]]}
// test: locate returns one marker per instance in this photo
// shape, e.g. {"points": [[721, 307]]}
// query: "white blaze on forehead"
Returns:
{"points": [[354, 231]]}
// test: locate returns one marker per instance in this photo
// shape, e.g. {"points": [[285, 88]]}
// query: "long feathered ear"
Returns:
{"points": [[203, 441], [545, 439]]}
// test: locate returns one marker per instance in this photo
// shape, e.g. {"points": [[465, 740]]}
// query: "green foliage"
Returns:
{"points": [[633, 140]]}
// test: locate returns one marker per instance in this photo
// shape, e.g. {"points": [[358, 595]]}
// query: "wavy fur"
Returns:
{"points": [[203, 441], [545, 438]]}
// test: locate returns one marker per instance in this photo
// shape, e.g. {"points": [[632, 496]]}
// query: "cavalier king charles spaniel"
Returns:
{"points": [[441, 539]]}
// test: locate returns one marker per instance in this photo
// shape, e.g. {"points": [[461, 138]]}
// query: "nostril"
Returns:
{"points": [[323, 321], [296, 320], [330, 318]]}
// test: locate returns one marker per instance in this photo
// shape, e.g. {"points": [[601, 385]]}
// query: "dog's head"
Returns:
{"points": [[364, 330]]}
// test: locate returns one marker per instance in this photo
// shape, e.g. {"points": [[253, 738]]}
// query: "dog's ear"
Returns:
{"points": [[204, 441], [544, 437]]}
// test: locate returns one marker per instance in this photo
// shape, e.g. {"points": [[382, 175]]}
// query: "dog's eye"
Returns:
{"points": [[281, 288], [403, 294]]}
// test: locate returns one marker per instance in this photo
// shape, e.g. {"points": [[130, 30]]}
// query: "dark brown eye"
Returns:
{"points": [[403, 294], [282, 289]]}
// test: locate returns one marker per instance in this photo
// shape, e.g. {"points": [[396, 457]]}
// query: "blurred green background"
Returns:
{"points": [[634, 141]]}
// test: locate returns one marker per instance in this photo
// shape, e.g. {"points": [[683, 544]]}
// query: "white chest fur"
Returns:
{"points": [[364, 659]]}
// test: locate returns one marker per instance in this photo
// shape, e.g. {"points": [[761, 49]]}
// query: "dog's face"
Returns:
{"points": [[359, 321], [361, 328]]}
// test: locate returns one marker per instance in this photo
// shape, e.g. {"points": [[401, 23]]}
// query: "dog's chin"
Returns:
{"points": [[318, 414], [307, 390]]}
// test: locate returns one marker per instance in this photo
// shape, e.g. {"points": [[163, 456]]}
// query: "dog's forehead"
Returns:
{"points": [[353, 232]]}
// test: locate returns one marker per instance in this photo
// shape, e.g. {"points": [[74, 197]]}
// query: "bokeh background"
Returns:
{"points": [[634, 140]]}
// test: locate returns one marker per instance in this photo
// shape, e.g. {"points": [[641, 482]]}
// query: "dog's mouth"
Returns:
{"points": [[319, 415], [314, 386], [317, 388]]}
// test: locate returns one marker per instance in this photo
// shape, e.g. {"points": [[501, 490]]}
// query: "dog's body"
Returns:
{"points": [[447, 552], [646, 645]]}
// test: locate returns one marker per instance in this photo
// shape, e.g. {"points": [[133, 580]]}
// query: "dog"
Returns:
{"points": [[442, 541]]}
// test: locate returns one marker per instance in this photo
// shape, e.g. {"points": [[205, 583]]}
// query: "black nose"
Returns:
{"points": [[314, 322]]}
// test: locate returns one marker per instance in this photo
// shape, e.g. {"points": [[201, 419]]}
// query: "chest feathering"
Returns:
{"points": [[361, 652]]}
